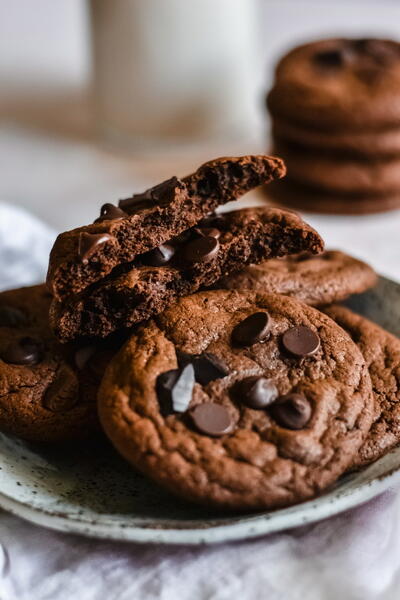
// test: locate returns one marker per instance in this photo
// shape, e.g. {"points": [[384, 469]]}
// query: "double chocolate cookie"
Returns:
{"points": [[339, 84], [316, 280], [139, 224], [218, 246], [239, 400], [381, 352], [335, 106], [310, 199], [47, 391]]}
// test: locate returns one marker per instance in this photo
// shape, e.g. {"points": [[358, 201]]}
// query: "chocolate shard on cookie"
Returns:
{"points": [[121, 301], [47, 391], [316, 280], [146, 221], [381, 351], [268, 431]]}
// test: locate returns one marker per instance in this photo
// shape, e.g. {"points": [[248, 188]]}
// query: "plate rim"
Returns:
{"points": [[248, 527]]}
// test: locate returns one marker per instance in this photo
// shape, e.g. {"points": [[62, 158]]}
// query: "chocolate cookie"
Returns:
{"points": [[239, 400], [85, 255], [299, 196], [47, 391], [341, 175], [219, 246], [381, 352], [315, 280], [339, 84], [363, 144]]}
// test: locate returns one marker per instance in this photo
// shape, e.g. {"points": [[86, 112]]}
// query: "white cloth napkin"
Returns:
{"points": [[353, 556]]}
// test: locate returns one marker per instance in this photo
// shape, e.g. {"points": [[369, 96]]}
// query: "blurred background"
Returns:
{"points": [[102, 99]]}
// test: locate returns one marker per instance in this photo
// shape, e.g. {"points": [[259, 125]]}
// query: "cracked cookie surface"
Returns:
{"points": [[47, 391], [219, 451], [381, 351], [316, 280]]}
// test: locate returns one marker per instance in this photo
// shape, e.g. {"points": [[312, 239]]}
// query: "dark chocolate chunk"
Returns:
{"points": [[208, 232], [158, 256], [212, 419], [138, 202], [329, 58], [300, 341], [256, 392], [252, 329], [165, 383], [89, 242], [161, 195], [202, 249], [175, 389], [291, 411], [207, 366], [11, 317], [110, 212], [25, 351], [212, 220], [182, 238]]}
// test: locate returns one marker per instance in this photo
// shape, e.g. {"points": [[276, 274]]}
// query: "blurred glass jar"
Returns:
{"points": [[175, 70]]}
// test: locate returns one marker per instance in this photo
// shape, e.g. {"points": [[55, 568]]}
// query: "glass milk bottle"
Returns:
{"points": [[174, 70]]}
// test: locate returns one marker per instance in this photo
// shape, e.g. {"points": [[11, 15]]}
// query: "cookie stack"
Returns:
{"points": [[335, 108], [242, 395]]}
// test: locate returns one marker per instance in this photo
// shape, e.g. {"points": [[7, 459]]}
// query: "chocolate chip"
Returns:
{"points": [[159, 195], [11, 317], [208, 232], [82, 355], [62, 394], [109, 212], [300, 341], [158, 256], [138, 202], [182, 238], [164, 192], [207, 366], [360, 44], [175, 389], [202, 249], [89, 242], [212, 419], [292, 411], [329, 58], [256, 392], [252, 329], [212, 220], [25, 351]]}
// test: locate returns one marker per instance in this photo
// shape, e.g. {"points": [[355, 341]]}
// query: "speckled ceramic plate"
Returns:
{"points": [[90, 490]]}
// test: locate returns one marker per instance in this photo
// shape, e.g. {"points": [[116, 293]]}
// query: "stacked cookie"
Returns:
{"points": [[335, 108], [241, 395]]}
